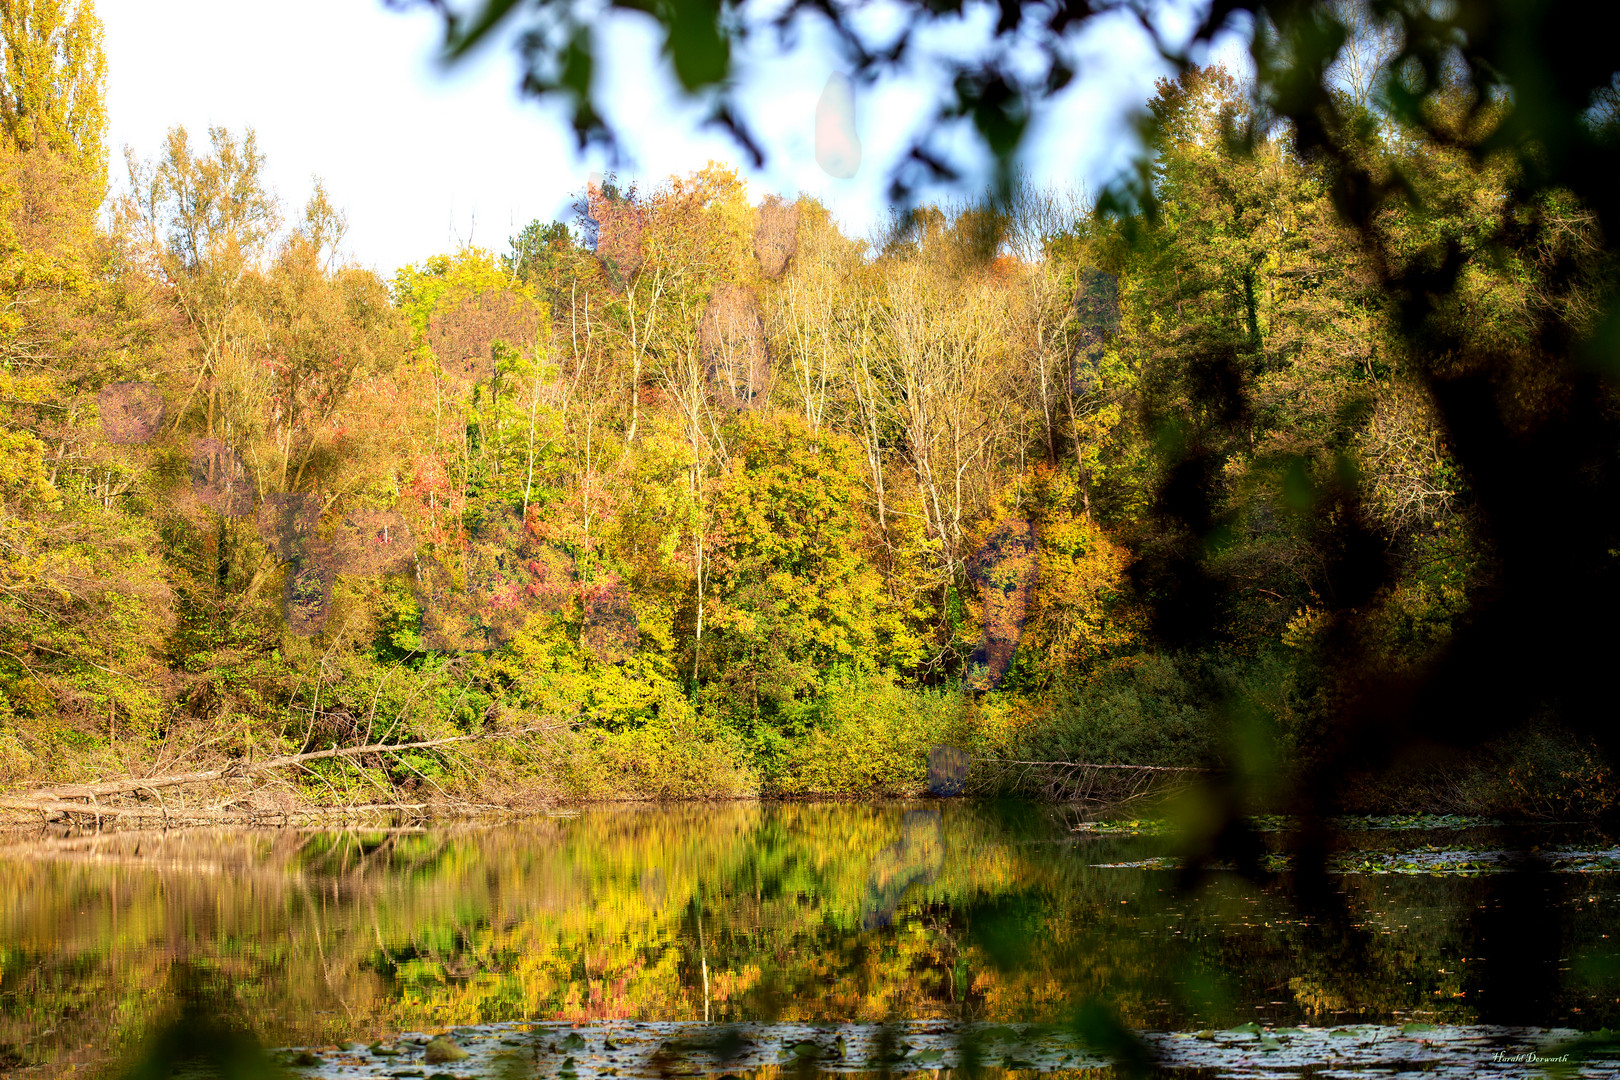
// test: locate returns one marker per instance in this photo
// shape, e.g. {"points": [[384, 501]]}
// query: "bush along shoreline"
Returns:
{"points": [[873, 741]]}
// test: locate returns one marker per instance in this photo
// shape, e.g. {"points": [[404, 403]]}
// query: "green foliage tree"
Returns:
{"points": [[534, 251]]}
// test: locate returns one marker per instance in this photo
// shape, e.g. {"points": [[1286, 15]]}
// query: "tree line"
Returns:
{"points": [[748, 500]]}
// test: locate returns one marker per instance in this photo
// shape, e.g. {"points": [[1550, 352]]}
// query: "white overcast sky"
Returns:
{"points": [[423, 160]]}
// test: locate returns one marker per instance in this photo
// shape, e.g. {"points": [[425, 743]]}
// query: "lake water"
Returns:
{"points": [[745, 938]]}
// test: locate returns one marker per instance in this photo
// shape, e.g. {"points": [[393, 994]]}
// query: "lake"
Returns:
{"points": [[744, 937]]}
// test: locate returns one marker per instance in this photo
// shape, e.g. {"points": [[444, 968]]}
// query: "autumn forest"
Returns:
{"points": [[699, 495]]}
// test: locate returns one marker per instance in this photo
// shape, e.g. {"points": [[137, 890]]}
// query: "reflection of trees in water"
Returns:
{"points": [[914, 859], [652, 888], [806, 913]]}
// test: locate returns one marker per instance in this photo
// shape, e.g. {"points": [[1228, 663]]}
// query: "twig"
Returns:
{"points": [[156, 794], [1089, 765]]}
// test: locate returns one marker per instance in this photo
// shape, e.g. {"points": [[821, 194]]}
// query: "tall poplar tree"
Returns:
{"points": [[53, 83]]}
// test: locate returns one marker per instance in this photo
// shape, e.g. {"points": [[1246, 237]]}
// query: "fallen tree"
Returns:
{"points": [[1075, 781], [62, 798]]}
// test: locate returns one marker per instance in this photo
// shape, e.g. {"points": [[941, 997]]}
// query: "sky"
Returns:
{"points": [[424, 160]]}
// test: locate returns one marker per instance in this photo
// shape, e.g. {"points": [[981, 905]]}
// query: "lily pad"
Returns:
{"points": [[441, 1050]]}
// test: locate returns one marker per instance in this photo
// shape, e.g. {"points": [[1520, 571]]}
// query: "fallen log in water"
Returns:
{"points": [[60, 799], [184, 815], [1075, 781]]}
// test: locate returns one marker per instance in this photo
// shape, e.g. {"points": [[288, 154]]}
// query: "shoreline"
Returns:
{"points": [[84, 819]]}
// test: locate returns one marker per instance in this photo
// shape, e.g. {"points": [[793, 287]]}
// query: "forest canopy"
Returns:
{"points": [[728, 500]]}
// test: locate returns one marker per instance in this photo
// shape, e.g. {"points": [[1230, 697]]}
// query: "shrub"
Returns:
{"points": [[1137, 711], [867, 736], [689, 759]]}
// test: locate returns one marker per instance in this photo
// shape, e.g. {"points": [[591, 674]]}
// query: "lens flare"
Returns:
{"points": [[838, 148]]}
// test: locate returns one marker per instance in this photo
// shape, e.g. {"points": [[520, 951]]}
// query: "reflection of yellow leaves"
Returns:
{"points": [[1314, 998], [728, 984], [554, 918]]}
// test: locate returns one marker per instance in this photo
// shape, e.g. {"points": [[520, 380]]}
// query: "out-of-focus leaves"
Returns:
{"points": [[1101, 1031], [204, 1038]]}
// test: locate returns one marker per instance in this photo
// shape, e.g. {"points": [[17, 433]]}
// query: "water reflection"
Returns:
{"points": [[903, 867], [741, 913]]}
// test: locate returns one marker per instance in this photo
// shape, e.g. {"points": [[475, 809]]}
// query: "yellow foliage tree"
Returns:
{"points": [[1080, 612], [53, 83]]}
